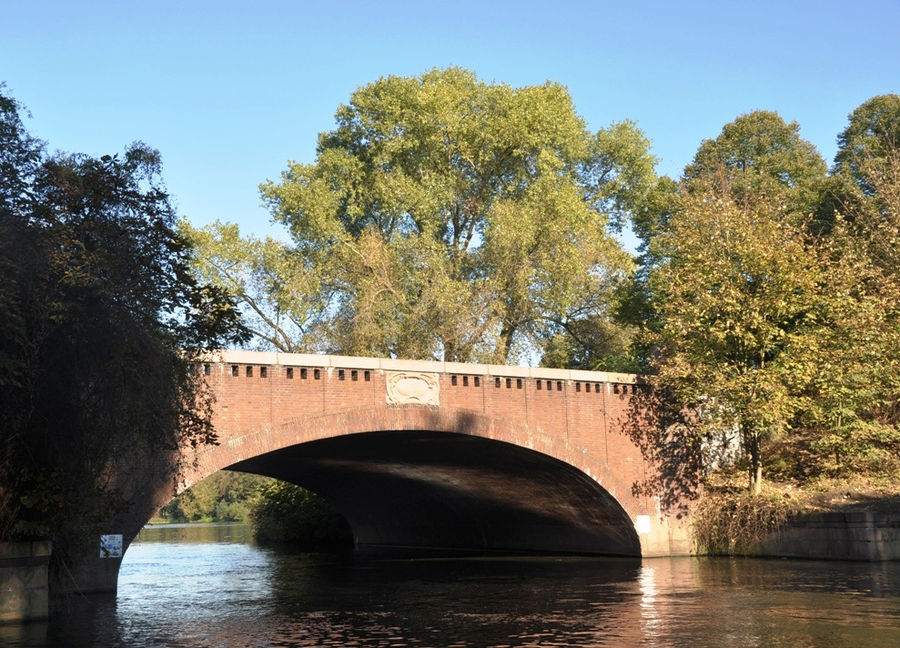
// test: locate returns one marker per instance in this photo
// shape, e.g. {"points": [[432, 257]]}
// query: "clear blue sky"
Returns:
{"points": [[229, 91]]}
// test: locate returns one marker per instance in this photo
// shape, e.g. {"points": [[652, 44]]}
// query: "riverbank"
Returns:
{"points": [[846, 519]]}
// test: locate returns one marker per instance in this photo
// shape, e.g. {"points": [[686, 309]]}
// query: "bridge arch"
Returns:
{"points": [[436, 479]]}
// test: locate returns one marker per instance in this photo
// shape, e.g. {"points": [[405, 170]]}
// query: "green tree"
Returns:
{"points": [[867, 179], [102, 322], [285, 512], [224, 496], [866, 157], [768, 296], [735, 292], [20, 158], [851, 387], [759, 154], [280, 299], [869, 144], [591, 343], [755, 156], [446, 217], [854, 400]]}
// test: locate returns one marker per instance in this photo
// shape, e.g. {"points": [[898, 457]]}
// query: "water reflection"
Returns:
{"points": [[206, 586], [649, 616], [474, 602], [194, 533]]}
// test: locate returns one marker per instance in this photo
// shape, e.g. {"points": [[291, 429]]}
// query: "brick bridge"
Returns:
{"points": [[434, 455]]}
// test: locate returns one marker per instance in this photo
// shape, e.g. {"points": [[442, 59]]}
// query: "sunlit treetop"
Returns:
{"points": [[456, 218]]}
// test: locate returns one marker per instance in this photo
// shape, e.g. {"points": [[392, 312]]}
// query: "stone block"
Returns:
{"points": [[23, 581]]}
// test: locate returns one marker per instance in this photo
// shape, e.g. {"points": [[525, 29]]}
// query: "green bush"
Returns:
{"points": [[224, 496], [288, 513]]}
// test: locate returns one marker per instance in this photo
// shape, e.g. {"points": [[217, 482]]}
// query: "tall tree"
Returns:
{"points": [[850, 420], [764, 318], [756, 156], [734, 294], [854, 413], [20, 158], [759, 154], [102, 321], [452, 218], [870, 142], [280, 299]]}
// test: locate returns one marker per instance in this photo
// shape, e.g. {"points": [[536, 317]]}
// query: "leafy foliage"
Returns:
{"points": [[286, 512], [591, 342], [854, 396], [446, 217], [758, 154], [279, 511], [101, 321], [224, 496], [735, 294], [280, 299], [871, 139], [769, 301]]}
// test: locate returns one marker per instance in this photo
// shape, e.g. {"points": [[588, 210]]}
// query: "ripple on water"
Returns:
{"points": [[200, 588]]}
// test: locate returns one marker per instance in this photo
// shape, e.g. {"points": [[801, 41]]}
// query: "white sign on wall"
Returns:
{"points": [[111, 546], [642, 524]]}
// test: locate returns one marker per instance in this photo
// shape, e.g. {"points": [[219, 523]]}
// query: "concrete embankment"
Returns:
{"points": [[851, 535], [23, 581]]}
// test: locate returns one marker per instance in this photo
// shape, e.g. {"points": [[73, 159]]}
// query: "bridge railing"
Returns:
{"points": [[489, 372]]}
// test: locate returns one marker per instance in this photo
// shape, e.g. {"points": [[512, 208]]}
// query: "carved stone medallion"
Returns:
{"points": [[412, 388]]}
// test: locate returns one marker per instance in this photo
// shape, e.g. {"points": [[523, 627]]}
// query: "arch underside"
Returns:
{"points": [[442, 491]]}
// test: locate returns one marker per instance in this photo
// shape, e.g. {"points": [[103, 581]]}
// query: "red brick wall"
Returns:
{"points": [[265, 407]]}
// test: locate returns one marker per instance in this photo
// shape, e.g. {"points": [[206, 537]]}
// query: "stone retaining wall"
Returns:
{"points": [[855, 535], [23, 581]]}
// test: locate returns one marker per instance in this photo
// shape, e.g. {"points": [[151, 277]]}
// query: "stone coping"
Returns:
{"points": [[424, 366]]}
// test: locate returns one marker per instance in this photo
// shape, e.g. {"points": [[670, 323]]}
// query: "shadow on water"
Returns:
{"points": [[28, 634], [483, 584]]}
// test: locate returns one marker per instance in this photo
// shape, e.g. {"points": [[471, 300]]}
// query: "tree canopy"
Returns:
{"points": [[447, 217], [759, 154], [872, 137], [101, 320], [855, 399], [734, 295], [760, 322], [280, 299]]}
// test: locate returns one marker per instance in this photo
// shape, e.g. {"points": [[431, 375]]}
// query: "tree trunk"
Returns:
{"points": [[507, 332], [756, 480], [451, 354], [755, 466]]}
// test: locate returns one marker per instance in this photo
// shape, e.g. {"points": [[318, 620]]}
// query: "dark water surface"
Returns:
{"points": [[210, 586]]}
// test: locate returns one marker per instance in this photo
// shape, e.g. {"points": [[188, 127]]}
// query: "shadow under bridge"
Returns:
{"points": [[439, 491]]}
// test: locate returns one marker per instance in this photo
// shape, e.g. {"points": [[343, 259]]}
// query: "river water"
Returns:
{"points": [[208, 586]]}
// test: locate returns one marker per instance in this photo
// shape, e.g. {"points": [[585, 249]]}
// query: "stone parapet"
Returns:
{"points": [[424, 366]]}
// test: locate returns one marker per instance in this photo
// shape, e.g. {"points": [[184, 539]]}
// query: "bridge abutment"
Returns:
{"points": [[90, 575]]}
